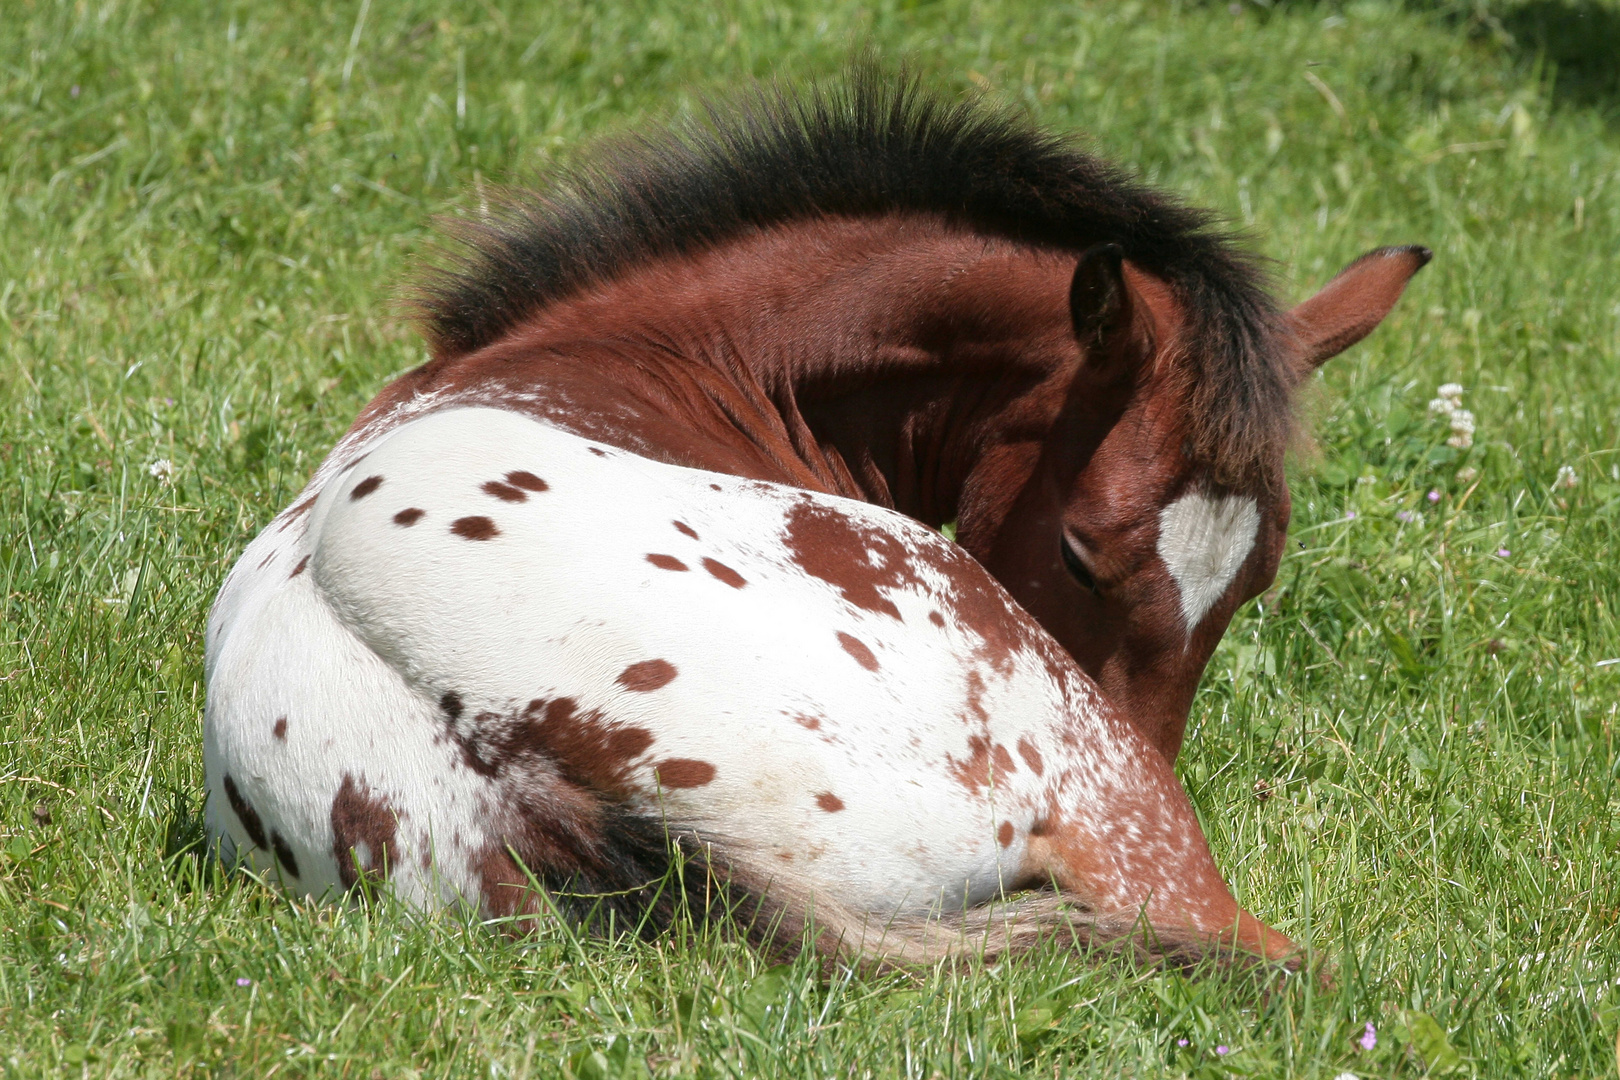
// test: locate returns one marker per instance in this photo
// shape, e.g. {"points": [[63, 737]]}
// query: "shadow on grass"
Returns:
{"points": [[1575, 42], [1578, 40], [185, 842]]}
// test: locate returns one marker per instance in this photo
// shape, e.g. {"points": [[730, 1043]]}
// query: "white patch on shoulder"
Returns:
{"points": [[1205, 542]]}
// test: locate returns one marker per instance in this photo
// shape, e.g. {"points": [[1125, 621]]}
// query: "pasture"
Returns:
{"points": [[1403, 755]]}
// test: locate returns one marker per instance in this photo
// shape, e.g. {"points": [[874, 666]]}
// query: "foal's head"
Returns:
{"points": [[1158, 504]]}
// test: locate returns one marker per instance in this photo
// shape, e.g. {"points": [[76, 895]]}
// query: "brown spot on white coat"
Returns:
{"points": [[474, 528], [296, 512], [284, 854], [522, 478], [854, 558], [647, 676], [1031, 756], [249, 817], [585, 747], [504, 492], [365, 487], [857, 648], [684, 773], [363, 830], [724, 573], [985, 764]]}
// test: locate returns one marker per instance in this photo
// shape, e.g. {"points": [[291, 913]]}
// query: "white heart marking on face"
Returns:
{"points": [[1204, 543]]}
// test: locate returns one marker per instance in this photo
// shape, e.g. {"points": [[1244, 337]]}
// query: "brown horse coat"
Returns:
{"points": [[636, 559]]}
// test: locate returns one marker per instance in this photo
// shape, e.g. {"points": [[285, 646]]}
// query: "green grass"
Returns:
{"points": [[205, 213]]}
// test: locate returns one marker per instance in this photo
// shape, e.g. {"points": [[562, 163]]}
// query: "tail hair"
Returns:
{"points": [[650, 876]]}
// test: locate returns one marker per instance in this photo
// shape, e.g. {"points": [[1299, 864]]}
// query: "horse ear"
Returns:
{"points": [[1099, 300], [1353, 304]]}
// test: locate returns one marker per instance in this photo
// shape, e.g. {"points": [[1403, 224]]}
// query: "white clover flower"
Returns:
{"points": [[1462, 425], [1448, 401], [1566, 477], [161, 470], [1467, 474]]}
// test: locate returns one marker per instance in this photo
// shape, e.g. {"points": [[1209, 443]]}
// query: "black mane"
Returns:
{"points": [[873, 145]]}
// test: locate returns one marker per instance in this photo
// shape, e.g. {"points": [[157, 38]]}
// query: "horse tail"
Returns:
{"points": [[647, 876], [1018, 924], [995, 931]]}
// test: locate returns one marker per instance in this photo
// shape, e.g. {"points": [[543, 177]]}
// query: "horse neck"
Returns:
{"points": [[872, 359]]}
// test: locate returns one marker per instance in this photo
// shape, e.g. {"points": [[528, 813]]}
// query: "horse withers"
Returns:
{"points": [[641, 560]]}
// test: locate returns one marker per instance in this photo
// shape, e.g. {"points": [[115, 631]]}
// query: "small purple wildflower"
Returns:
{"points": [[1369, 1038], [1406, 516], [168, 401], [73, 91], [1181, 1042], [1434, 496], [244, 981], [1349, 515], [1223, 1050], [1502, 553]]}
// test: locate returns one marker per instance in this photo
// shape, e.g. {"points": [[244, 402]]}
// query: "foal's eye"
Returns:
{"points": [[1077, 567]]}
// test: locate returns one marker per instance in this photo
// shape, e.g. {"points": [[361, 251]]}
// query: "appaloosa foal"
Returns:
{"points": [[641, 557]]}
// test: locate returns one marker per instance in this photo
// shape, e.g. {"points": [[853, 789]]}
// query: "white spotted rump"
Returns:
{"points": [[483, 641]]}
